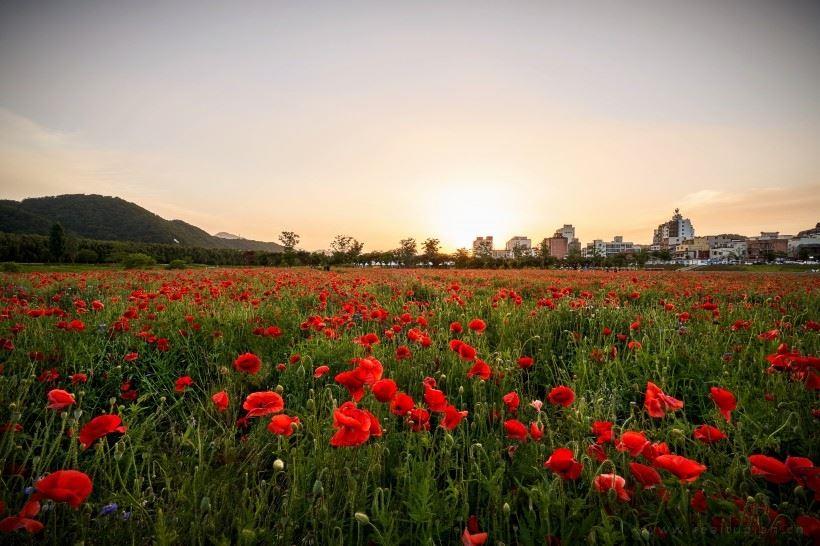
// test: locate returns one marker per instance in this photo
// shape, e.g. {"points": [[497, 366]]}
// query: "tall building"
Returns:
{"points": [[568, 232], [558, 246], [483, 246], [672, 233], [520, 244]]}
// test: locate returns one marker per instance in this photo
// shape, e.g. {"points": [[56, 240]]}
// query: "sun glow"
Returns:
{"points": [[464, 211]]}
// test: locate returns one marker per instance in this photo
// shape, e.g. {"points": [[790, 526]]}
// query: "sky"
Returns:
{"points": [[386, 120]]}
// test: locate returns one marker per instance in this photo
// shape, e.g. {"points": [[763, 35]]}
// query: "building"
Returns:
{"points": [[483, 246], [806, 244], [568, 232], [769, 245], [518, 246], [695, 249], [558, 246], [728, 251], [604, 249], [672, 233]]}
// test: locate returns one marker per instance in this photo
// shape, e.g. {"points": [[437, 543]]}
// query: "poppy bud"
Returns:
{"points": [[78, 413], [645, 534], [362, 518], [248, 535], [799, 490], [205, 504], [461, 389], [279, 465], [318, 489], [279, 389], [223, 370], [506, 508]]}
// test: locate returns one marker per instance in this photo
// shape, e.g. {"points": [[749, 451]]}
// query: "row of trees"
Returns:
{"points": [[344, 250]]}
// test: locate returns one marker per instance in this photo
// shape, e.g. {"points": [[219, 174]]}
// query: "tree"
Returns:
{"points": [[407, 251], [289, 240], [345, 249], [57, 242], [431, 251], [461, 258]]}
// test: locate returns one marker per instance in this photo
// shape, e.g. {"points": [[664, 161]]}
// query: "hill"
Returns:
{"points": [[111, 218]]}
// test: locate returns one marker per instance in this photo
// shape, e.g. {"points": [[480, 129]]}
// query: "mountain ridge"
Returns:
{"points": [[95, 216]]}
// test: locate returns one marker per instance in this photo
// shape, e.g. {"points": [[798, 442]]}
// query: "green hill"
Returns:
{"points": [[111, 219]]}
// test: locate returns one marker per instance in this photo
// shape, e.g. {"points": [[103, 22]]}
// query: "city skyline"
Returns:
{"points": [[388, 121]]}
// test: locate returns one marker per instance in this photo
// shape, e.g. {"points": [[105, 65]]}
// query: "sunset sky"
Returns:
{"points": [[384, 120]]}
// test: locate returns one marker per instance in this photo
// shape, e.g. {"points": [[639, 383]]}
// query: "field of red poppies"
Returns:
{"points": [[292, 406]]}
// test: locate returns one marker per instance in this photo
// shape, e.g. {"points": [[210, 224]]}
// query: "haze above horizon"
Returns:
{"points": [[445, 119]]}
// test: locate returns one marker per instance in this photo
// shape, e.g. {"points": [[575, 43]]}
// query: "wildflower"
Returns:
{"points": [[99, 427], [353, 426], [604, 483], [247, 363], [220, 400], [561, 396], [283, 425], [685, 469], [725, 401], [70, 486], [657, 403], [263, 403], [59, 399], [564, 464]]}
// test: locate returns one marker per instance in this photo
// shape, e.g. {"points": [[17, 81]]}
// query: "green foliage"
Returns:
{"points": [[87, 256], [177, 264], [137, 260], [10, 267], [57, 242]]}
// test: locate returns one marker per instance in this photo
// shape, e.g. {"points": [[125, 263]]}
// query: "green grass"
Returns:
{"points": [[187, 475]]}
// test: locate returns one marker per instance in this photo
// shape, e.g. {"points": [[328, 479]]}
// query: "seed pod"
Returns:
{"points": [[279, 465]]}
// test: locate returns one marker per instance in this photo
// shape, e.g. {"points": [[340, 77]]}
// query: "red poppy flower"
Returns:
{"points": [[810, 527], [647, 476], [247, 363], [657, 403], [466, 352], [282, 424], [725, 401], [603, 431], [353, 426], [403, 352], [564, 464], [561, 396], [71, 486], [418, 419], [604, 483], [78, 378], [525, 362], [401, 404], [384, 390], [770, 469], [100, 426], [685, 469], [220, 400], [477, 325], [480, 369], [183, 383], [472, 536], [633, 442], [708, 434], [263, 403], [452, 417], [130, 357], [434, 399], [320, 371], [515, 430], [59, 399], [536, 431], [512, 401], [698, 502]]}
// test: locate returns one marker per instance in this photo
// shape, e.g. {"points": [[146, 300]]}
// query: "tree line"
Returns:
{"points": [[61, 247]]}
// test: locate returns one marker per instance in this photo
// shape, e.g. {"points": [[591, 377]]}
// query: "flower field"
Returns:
{"points": [[293, 406]]}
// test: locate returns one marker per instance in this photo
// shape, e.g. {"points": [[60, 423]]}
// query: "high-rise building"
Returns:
{"points": [[520, 245], [483, 246], [568, 232], [672, 233]]}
